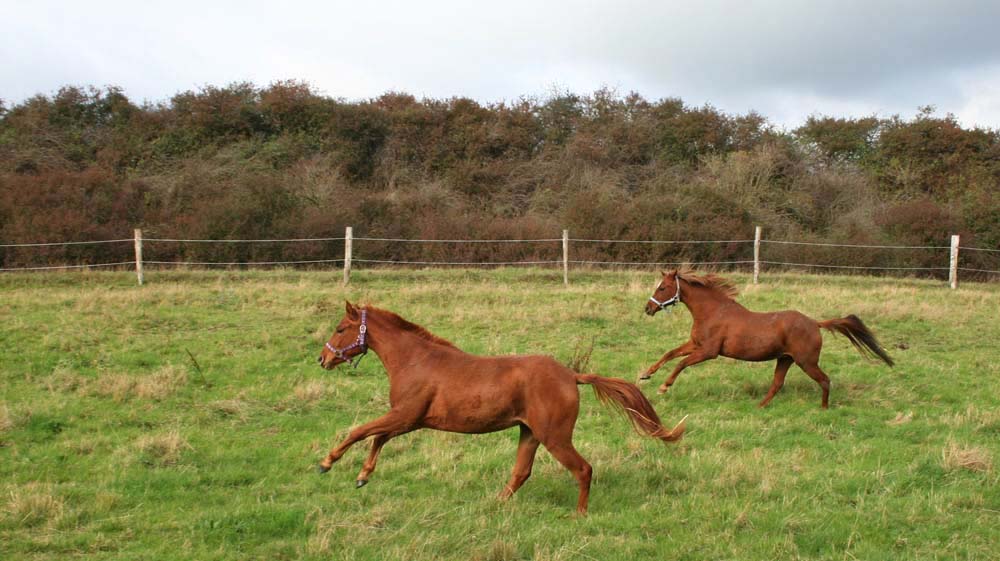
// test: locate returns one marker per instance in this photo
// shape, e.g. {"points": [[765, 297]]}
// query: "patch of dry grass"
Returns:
{"points": [[956, 456], [974, 417], [34, 504], [311, 391], [6, 419], [64, 379], [235, 408], [161, 383], [359, 526], [499, 550], [900, 419], [161, 450], [118, 387], [156, 386]]}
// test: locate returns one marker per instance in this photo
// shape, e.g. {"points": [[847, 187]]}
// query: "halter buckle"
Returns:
{"points": [[341, 353]]}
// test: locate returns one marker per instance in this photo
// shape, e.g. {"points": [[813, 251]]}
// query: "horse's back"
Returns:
{"points": [[541, 374]]}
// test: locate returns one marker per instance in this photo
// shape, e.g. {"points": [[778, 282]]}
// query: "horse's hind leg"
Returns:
{"points": [[814, 372], [780, 370], [526, 448], [574, 462]]}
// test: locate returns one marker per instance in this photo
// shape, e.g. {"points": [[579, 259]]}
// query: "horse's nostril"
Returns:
{"points": [[321, 360]]}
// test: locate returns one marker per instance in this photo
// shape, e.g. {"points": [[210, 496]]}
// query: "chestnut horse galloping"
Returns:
{"points": [[433, 384], [723, 327]]}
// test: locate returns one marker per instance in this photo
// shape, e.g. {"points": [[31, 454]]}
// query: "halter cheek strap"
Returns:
{"points": [[670, 302], [360, 342]]}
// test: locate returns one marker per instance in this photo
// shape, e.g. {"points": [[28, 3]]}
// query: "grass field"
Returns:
{"points": [[184, 420]]}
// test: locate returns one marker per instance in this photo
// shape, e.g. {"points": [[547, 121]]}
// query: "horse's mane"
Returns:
{"points": [[709, 280], [397, 321]]}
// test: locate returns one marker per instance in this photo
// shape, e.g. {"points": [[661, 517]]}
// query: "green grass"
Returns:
{"points": [[114, 445]]}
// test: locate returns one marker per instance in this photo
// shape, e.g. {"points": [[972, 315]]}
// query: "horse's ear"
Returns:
{"points": [[352, 311]]}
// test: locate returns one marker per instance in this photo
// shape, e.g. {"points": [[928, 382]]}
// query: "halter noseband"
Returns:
{"points": [[670, 302], [359, 342]]}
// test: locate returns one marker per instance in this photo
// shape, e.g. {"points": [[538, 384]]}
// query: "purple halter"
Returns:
{"points": [[359, 342]]}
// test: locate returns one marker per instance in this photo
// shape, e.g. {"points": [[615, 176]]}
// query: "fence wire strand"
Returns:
{"points": [[245, 241], [763, 241], [578, 262], [670, 242], [51, 267], [45, 244], [979, 270], [405, 240], [484, 263], [229, 263], [854, 266]]}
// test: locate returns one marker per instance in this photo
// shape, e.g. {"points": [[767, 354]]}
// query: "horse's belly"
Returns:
{"points": [[469, 428], [751, 347], [753, 357], [471, 414]]}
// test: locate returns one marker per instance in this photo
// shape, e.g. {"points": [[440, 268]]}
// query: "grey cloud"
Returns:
{"points": [[785, 58]]}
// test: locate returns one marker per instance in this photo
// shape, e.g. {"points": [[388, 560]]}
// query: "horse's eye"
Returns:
{"points": [[340, 330], [659, 288]]}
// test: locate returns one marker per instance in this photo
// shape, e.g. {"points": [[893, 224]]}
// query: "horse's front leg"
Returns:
{"points": [[698, 355], [391, 422], [377, 443], [683, 350]]}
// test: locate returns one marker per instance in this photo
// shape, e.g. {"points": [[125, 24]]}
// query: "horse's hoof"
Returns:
{"points": [[645, 377], [322, 469], [360, 483], [662, 390]]}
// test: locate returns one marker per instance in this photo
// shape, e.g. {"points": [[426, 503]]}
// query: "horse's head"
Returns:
{"points": [[349, 340], [666, 293]]}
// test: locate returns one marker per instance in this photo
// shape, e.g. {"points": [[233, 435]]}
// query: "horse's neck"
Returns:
{"points": [[703, 302], [396, 348]]}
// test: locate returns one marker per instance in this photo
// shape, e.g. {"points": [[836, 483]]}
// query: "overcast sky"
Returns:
{"points": [[786, 59]]}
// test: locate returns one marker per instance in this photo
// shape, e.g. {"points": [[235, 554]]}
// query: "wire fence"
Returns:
{"points": [[931, 260]]}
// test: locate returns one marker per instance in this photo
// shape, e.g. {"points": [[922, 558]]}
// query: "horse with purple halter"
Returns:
{"points": [[435, 385]]}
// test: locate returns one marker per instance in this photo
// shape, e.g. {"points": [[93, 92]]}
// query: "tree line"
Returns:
{"points": [[283, 161]]}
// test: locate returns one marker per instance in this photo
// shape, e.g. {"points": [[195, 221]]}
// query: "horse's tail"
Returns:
{"points": [[627, 397], [860, 336]]}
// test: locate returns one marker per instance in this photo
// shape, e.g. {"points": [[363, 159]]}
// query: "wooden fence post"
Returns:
{"points": [[348, 243], [953, 263], [756, 254], [138, 255], [566, 257]]}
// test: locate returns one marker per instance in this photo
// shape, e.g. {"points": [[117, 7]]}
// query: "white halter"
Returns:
{"points": [[670, 302]]}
